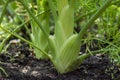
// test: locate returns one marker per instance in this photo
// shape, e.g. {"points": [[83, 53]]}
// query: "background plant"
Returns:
{"points": [[108, 26]]}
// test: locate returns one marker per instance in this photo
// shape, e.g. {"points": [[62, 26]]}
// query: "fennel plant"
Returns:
{"points": [[63, 47]]}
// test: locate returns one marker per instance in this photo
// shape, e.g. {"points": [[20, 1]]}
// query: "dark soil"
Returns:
{"points": [[20, 64]]}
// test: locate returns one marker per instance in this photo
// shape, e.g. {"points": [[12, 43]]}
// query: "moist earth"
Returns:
{"points": [[20, 63]]}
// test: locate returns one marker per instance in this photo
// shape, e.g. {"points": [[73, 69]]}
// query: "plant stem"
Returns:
{"points": [[82, 57], [30, 43], [4, 71], [33, 16], [84, 15], [93, 18]]}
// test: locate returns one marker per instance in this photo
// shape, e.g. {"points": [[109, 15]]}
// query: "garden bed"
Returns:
{"points": [[24, 66]]}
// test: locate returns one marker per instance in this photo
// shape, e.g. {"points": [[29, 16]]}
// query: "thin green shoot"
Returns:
{"points": [[4, 71]]}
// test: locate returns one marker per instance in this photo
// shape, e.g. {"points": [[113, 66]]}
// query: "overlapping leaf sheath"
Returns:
{"points": [[39, 38], [66, 48]]}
